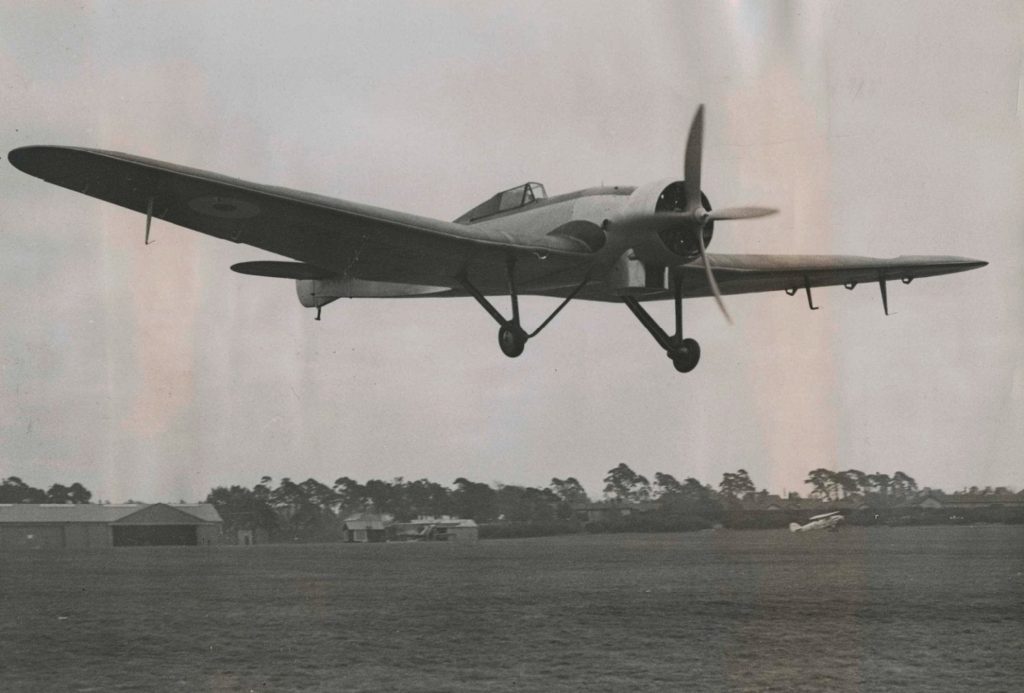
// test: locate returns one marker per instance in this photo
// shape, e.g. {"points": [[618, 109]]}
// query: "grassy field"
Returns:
{"points": [[914, 609]]}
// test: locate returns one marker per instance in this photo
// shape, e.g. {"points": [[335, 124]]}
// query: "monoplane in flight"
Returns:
{"points": [[613, 244], [829, 521]]}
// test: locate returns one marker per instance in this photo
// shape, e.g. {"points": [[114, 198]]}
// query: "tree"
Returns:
{"points": [[14, 490], [58, 493], [242, 509], [384, 496], [262, 489], [880, 483], [319, 495], [350, 494], [666, 484], [903, 485], [300, 509], [78, 493], [735, 486], [624, 485], [693, 498], [570, 490], [526, 504], [475, 500], [853, 481], [423, 497], [824, 483]]}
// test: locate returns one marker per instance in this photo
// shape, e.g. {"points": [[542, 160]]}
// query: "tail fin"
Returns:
{"points": [[794, 527]]}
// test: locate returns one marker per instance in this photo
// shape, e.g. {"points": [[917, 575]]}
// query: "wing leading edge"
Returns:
{"points": [[742, 274], [343, 238], [747, 274]]}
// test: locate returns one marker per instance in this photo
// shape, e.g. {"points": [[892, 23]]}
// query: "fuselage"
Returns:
{"points": [[831, 523], [535, 220]]}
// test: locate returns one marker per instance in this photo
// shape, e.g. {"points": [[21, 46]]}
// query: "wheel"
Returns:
{"points": [[512, 340], [686, 355]]}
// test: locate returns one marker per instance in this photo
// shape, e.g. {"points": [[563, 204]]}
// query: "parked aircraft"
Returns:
{"points": [[617, 244], [829, 521]]}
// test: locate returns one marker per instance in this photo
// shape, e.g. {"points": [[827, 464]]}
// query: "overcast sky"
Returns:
{"points": [[877, 128]]}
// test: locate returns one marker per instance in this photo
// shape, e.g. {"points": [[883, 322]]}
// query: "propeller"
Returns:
{"points": [[695, 214]]}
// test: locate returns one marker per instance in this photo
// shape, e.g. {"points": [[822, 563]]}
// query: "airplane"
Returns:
{"points": [[615, 244], [829, 521]]}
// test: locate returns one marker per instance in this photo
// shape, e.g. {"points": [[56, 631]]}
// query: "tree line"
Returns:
{"points": [[14, 490], [833, 485], [312, 509]]}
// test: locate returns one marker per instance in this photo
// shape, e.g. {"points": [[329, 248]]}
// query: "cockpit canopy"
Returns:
{"points": [[517, 197]]}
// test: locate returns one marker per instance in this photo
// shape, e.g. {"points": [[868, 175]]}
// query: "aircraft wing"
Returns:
{"points": [[745, 274], [824, 515], [342, 238], [742, 274]]}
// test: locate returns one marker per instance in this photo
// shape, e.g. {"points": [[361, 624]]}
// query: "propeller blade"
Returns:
{"points": [[711, 276], [691, 164], [740, 213]]}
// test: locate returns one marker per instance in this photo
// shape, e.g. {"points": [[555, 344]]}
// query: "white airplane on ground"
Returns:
{"points": [[829, 521], [614, 244]]}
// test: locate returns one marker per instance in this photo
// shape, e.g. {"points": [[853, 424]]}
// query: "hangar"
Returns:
{"points": [[81, 526]]}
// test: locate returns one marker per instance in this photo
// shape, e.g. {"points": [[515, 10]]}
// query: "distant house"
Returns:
{"points": [[248, 537], [611, 511], [1003, 499], [929, 501], [365, 527], [443, 528], [87, 525]]}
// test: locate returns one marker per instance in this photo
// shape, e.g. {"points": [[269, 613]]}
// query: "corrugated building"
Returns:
{"points": [[365, 527], [54, 526]]}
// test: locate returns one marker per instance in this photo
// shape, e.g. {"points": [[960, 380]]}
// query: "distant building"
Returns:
{"points": [[248, 537], [55, 526], [365, 527], [929, 501], [610, 511], [443, 528], [998, 499]]}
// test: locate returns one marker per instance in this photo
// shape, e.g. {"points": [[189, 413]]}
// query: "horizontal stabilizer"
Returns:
{"points": [[282, 270]]}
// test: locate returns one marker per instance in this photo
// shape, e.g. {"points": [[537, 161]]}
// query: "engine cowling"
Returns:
{"points": [[679, 240], [650, 231]]}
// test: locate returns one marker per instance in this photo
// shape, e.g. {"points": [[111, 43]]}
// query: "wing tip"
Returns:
{"points": [[968, 263], [21, 157], [32, 158]]}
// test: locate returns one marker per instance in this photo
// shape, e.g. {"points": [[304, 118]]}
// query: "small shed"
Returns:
{"points": [[364, 528]]}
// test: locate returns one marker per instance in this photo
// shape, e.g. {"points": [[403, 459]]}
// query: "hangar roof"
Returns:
{"points": [[32, 513]]}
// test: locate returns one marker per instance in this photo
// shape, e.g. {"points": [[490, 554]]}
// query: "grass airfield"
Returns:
{"points": [[914, 609]]}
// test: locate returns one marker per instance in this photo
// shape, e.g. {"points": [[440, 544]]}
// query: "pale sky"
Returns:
{"points": [[877, 128]]}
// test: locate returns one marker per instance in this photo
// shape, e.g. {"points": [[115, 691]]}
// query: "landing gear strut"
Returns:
{"points": [[512, 337], [684, 353]]}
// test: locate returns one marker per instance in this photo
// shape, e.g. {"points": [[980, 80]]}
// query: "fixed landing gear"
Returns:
{"points": [[684, 353], [685, 356], [512, 337]]}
